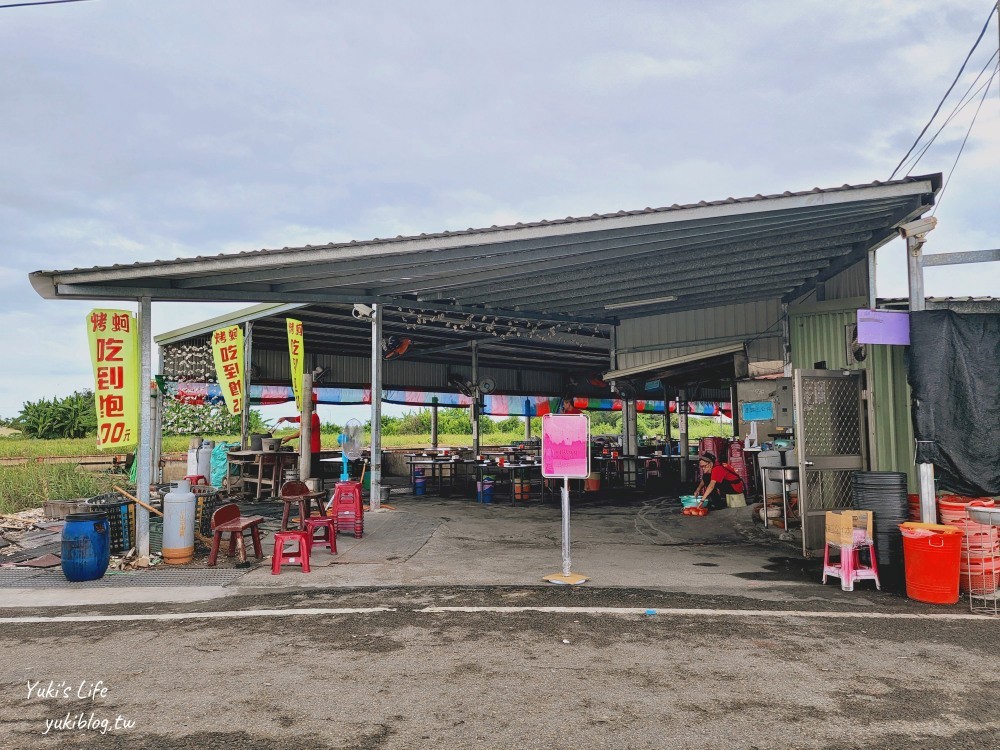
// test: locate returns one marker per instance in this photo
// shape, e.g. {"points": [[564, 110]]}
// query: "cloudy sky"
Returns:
{"points": [[137, 130]]}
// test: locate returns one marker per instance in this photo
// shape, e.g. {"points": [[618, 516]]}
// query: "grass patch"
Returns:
{"points": [[31, 485]]}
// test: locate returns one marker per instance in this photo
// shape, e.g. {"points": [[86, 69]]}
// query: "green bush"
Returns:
{"points": [[73, 416]]}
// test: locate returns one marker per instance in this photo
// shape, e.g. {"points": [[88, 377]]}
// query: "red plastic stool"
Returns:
{"points": [[346, 508], [328, 536], [287, 557]]}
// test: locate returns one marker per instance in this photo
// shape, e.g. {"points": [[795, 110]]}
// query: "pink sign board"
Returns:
{"points": [[883, 327], [566, 446]]}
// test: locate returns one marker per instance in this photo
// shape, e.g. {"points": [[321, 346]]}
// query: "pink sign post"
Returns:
{"points": [[565, 455]]}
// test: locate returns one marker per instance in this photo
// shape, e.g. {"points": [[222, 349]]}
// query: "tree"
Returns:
{"points": [[73, 416]]}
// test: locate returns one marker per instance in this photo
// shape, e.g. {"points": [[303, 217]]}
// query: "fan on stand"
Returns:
{"points": [[346, 506], [350, 446]]}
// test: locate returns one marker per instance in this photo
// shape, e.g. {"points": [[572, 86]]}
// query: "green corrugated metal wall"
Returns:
{"points": [[817, 334]]}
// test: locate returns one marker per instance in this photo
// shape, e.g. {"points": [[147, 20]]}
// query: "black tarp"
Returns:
{"points": [[954, 372]]}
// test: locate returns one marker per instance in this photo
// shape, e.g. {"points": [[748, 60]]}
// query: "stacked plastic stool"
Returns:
{"points": [[851, 532], [652, 468], [328, 533], [346, 508], [298, 556]]}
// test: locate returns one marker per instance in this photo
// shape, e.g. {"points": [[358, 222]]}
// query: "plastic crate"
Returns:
{"points": [[121, 519], [206, 505], [155, 535]]}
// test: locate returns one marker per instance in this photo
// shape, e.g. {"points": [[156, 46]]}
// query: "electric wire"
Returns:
{"points": [[958, 156], [41, 2], [937, 109], [965, 101]]}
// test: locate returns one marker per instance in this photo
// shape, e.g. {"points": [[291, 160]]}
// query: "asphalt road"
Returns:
{"points": [[523, 679]]}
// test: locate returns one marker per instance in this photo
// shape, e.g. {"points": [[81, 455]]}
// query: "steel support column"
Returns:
{"points": [[915, 277], [682, 422], [475, 398], [143, 452], [434, 423], [245, 414], [375, 496], [305, 428]]}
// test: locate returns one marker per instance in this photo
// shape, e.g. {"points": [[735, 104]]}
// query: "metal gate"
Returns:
{"points": [[830, 443]]}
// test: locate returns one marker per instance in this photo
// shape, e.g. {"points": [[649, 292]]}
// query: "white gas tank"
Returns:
{"points": [[205, 460], [178, 523]]}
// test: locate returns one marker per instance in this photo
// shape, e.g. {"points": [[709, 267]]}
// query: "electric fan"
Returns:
{"points": [[350, 446]]}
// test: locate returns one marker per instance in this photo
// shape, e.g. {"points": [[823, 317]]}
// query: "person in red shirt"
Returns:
{"points": [[720, 485], [315, 443]]}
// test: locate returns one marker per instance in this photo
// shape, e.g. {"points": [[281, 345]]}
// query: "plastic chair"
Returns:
{"points": [[287, 557], [849, 568], [328, 533]]}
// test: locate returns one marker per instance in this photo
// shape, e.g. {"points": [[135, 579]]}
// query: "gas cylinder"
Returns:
{"points": [[205, 458], [178, 523], [192, 464]]}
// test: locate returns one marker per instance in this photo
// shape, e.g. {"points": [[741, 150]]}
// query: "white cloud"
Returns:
{"points": [[138, 131], [613, 70]]}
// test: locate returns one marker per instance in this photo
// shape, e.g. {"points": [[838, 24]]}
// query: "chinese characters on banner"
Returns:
{"points": [[114, 352], [296, 356], [227, 350]]}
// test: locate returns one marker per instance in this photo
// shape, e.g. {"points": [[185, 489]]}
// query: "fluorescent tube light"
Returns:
{"points": [[639, 303]]}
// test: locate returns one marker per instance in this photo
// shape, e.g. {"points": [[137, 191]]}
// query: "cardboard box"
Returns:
{"points": [[847, 528]]}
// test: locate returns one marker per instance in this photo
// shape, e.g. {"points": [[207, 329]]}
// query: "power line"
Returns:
{"points": [[946, 93], [964, 102], [42, 2], [961, 149]]}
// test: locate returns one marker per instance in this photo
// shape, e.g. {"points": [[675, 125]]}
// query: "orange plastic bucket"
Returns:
{"points": [[979, 575], [932, 562]]}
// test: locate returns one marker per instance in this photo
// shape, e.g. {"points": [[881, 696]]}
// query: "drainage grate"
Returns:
{"points": [[155, 578], [9, 576]]}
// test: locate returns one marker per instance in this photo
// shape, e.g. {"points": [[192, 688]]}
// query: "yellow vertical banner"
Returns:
{"points": [[227, 351], [296, 356], [114, 352]]}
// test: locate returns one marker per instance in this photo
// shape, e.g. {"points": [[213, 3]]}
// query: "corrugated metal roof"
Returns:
{"points": [[332, 330], [758, 247]]}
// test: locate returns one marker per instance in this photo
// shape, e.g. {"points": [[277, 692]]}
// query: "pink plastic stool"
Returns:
{"points": [[288, 557], [849, 568], [328, 533]]}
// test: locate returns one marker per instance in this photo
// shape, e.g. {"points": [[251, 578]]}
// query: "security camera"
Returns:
{"points": [[917, 227], [362, 312]]}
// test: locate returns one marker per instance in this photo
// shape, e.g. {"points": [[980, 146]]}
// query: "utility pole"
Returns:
{"points": [[915, 234]]}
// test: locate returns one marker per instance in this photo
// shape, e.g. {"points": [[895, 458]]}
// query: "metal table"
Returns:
{"points": [[766, 472], [522, 471]]}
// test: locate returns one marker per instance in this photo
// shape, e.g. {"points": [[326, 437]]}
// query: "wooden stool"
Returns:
{"points": [[287, 557], [227, 519], [299, 493]]}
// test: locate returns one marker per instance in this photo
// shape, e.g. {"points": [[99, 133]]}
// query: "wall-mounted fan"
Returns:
{"points": [[395, 347], [856, 352], [487, 386], [460, 384], [625, 389]]}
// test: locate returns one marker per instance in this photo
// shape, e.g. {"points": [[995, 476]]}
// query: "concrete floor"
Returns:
{"points": [[629, 540]]}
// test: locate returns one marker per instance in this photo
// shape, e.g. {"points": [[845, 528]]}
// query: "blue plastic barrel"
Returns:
{"points": [[419, 485], [484, 490], [86, 546]]}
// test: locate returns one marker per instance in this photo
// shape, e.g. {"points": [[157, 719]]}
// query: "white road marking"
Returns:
{"points": [[304, 612], [695, 612], [610, 611]]}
